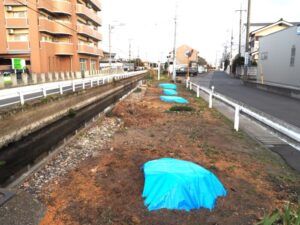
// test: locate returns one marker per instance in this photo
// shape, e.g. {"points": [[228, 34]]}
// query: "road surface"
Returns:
{"points": [[278, 106]]}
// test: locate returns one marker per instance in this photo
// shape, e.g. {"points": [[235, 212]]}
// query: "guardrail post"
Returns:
{"points": [[187, 84], [73, 86], [198, 91], [44, 92], [98, 81], [22, 100], [83, 84], [237, 117], [61, 90], [211, 96], [191, 85], [92, 83]]}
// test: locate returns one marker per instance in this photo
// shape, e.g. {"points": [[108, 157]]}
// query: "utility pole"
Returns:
{"points": [[129, 51], [109, 39], [174, 48], [247, 55], [240, 32]]}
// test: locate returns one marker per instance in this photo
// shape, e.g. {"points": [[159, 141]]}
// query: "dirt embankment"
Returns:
{"points": [[106, 189]]}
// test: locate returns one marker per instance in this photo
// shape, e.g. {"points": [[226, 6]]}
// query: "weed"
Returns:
{"points": [[138, 90], [288, 216], [195, 136], [2, 163], [71, 113], [179, 108], [231, 168], [208, 149], [213, 167]]}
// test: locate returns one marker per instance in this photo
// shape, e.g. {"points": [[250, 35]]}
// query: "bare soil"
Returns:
{"points": [[107, 189]]}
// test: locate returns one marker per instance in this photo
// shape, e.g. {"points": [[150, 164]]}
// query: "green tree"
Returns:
{"points": [[202, 61]]}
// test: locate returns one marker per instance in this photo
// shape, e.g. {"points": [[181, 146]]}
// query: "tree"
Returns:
{"points": [[237, 61], [202, 61]]}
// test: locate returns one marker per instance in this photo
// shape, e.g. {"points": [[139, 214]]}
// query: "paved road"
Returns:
{"points": [[281, 107]]}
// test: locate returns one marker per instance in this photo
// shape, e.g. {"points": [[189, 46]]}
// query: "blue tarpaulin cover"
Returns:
{"points": [[169, 92], [179, 185], [174, 99], [168, 86]]}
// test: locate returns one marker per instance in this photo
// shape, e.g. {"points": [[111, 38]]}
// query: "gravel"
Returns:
{"points": [[86, 144]]}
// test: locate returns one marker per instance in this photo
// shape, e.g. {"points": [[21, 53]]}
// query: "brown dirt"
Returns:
{"points": [[107, 189]]}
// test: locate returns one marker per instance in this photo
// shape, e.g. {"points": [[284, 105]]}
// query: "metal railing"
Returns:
{"points": [[287, 133], [24, 94]]}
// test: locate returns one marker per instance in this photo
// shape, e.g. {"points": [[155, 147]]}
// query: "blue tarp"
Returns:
{"points": [[169, 92], [174, 99], [179, 185], [168, 86]]}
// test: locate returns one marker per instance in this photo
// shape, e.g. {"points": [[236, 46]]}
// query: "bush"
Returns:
{"points": [[179, 108], [71, 113]]}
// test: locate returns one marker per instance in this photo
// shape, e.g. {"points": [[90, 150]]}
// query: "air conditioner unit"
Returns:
{"points": [[9, 8], [11, 31]]}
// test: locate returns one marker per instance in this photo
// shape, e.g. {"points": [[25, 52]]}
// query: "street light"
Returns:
{"points": [[110, 28]]}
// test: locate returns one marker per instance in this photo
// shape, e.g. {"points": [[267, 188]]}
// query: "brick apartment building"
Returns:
{"points": [[52, 35]]}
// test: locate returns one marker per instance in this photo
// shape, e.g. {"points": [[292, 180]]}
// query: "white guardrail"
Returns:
{"points": [[23, 94], [286, 131]]}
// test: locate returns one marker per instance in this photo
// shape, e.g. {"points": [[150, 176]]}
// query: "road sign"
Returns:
{"points": [[18, 64]]}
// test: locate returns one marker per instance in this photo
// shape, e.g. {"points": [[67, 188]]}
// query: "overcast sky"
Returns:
{"points": [[203, 25]]}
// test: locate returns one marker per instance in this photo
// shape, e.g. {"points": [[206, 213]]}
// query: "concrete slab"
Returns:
{"points": [[22, 209]]}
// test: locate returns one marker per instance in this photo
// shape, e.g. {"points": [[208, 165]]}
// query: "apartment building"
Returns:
{"points": [[51, 35]]}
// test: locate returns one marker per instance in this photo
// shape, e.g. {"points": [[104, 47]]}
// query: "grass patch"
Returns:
{"points": [[208, 149], [138, 90], [181, 108]]}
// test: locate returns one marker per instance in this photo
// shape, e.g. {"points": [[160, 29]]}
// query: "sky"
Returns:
{"points": [[204, 25]]}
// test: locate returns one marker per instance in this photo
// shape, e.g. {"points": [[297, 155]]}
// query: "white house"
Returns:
{"points": [[279, 61]]}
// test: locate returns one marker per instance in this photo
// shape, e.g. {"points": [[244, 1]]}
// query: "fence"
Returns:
{"points": [[21, 95], [291, 135], [252, 72], [21, 79]]}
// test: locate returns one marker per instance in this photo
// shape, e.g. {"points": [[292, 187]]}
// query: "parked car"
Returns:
{"points": [[183, 70]]}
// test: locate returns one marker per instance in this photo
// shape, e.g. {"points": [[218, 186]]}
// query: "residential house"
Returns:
{"points": [[263, 30], [279, 62]]}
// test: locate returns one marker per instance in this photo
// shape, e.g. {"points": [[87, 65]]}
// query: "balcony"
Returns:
{"points": [[255, 46], [52, 27], [89, 50], [83, 11], [14, 22], [15, 2], [57, 48], [18, 46], [62, 48], [97, 4], [88, 31], [55, 6]]}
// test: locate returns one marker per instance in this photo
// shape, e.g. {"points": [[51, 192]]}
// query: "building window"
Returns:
{"points": [[93, 65], [83, 64], [293, 56]]}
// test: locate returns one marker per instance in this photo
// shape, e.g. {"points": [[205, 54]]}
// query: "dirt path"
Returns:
{"points": [[106, 188]]}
